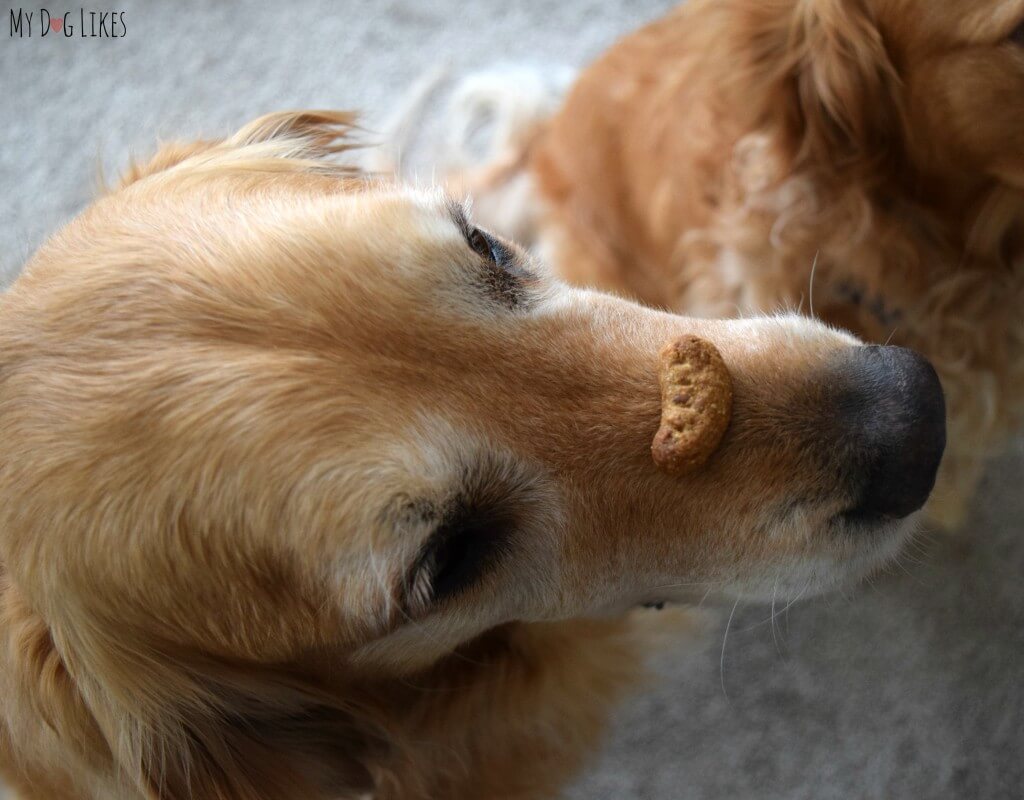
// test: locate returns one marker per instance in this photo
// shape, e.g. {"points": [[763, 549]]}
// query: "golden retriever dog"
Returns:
{"points": [[717, 160], [310, 489]]}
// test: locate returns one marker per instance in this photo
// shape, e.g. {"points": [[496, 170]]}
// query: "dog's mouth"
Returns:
{"points": [[859, 544], [856, 553], [828, 551], [838, 551], [857, 520]]}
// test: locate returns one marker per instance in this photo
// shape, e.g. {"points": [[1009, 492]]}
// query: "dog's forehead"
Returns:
{"points": [[433, 212], [268, 203], [384, 202], [372, 225], [387, 224]]}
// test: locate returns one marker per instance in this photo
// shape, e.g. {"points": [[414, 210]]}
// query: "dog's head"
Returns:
{"points": [[261, 419], [881, 86]]}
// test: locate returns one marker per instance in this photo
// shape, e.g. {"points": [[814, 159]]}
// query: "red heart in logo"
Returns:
{"points": [[56, 23]]}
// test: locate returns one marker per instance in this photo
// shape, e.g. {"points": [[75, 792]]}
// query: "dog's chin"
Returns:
{"points": [[852, 549]]}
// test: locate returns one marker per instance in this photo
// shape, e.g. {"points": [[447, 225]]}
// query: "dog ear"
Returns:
{"points": [[243, 732], [178, 727], [848, 91], [257, 735], [169, 155], [300, 139], [41, 688], [307, 134]]}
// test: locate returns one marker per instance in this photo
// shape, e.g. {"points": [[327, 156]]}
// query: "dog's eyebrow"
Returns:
{"points": [[459, 213]]}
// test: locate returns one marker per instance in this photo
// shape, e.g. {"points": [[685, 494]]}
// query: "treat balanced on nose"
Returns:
{"points": [[696, 404]]}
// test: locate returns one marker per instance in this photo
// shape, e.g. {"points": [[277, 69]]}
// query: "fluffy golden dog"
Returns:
{"points": [[311, 489], [714, 161]]}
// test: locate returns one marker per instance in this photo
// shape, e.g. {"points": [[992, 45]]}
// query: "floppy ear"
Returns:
{"points": [[312, 134], [166, 157], [300, 137], [179, 727], [258, 734], [848, 90]]}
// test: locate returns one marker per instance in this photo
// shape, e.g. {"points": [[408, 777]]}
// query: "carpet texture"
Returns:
{"points": [[912, 687]]}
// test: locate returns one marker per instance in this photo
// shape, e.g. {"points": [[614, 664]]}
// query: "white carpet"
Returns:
{"points": [[910, 688]]}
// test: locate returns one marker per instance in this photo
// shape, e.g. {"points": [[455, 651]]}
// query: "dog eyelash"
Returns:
{"points": [[504, 277], [482, 244], [493, 251]]}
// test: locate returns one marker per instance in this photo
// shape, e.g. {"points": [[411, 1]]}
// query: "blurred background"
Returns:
{"points": [[911, 687]]}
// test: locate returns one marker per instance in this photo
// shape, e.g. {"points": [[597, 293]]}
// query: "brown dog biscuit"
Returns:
{"points": [[696, 404]]}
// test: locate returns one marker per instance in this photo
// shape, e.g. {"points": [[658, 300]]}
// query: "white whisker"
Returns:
{"points": [[705, 597], [791, 602], [775, 636], [814, 268], [725, 638]]}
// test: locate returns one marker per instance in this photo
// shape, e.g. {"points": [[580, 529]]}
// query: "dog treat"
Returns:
{"points": [[696, 404]]}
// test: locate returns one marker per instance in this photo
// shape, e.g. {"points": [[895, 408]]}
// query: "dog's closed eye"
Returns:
{"points": [[476, 531], [471, 538]]}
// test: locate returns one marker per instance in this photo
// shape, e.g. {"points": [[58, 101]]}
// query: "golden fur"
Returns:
{"points": [[251, 407], [713, 160]]}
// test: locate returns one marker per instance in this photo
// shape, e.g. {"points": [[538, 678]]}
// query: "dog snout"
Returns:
{"points": [[894, 413]]}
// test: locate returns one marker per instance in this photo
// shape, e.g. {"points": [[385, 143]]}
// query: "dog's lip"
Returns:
{"points": [[858, 518]]}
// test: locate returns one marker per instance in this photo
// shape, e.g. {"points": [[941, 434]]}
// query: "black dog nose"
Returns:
{"points": [[895, 414]]}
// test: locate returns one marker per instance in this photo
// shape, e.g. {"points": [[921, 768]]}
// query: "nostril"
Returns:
{"points": [[896, 417]]}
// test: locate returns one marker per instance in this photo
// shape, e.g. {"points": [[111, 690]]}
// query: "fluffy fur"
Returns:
{"points": [[303, 497]]}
